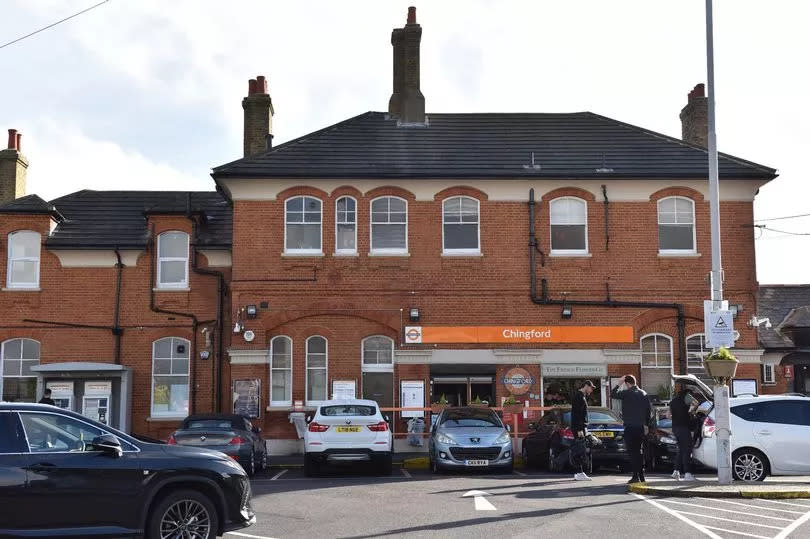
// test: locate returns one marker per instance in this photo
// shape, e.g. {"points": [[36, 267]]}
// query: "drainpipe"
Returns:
{"points": [[544, 298], [117, 330], [607, 218]]}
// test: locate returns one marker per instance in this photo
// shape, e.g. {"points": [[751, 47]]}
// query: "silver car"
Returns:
{"points": [[470, 437]]}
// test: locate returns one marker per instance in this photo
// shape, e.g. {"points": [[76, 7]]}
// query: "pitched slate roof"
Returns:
{"points": [[777, 302], [29, 204], [108, 219], [500, 145]]}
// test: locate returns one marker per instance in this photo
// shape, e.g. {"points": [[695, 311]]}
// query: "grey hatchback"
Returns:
{"points": [[231, 434], [470, 437]]}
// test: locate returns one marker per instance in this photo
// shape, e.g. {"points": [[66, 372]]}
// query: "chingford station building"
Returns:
{"points": [[402, 256]]}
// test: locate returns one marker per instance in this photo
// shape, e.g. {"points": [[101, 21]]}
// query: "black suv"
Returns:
{"points": [[62, 474]]}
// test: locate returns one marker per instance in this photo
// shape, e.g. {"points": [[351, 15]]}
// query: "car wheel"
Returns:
{"points": [[434, 466], [551, 466], [263, 462], [749, 465], [385, 465], [508, 469], [251, 467], [524, 453], [311, 467], [183, 513]]}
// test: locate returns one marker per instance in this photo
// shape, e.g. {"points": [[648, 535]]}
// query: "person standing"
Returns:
{"points": [[636, 412], [579, 424], [46, 398], [681, 423]]}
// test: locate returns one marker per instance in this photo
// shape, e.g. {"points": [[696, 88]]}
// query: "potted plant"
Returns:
{"points": [[478, 403], [511, 405], [437, 407], [721, 365]]}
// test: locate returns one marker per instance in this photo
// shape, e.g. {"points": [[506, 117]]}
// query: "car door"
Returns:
{"points": [[78, 485], [18, 507], [545, 430], [781, 428]]}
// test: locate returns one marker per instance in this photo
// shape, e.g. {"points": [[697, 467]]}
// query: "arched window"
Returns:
{"points": [[345, 226], [302, 225], [656, 364], [696, 351], [676, 225], [460, 225], [389, 225], [23, 259], [172, 260], [170, 377], [281, 371], [18, 383], [317, 372], [569, 226], [378, 369]]}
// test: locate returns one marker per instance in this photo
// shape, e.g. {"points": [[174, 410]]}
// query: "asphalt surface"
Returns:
{"points": [[354, 504]]}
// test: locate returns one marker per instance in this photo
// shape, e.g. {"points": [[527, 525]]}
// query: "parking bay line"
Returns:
{"points": [[279, 474], [729, 511], [737, 533], [699, 527], [238, 534], [730, 520], [751, 506], [798, 522], [405, 472]]}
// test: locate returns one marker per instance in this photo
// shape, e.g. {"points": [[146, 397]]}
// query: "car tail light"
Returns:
{"points": [[382, 426], [171, 440], [567, 433], [237, 440], [317, 427], [709, 427]]}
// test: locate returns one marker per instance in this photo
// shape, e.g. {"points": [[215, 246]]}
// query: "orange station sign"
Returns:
{"points": [[518, 334]]}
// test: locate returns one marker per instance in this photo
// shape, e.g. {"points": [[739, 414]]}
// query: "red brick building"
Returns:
{"points": [[470, 256]]}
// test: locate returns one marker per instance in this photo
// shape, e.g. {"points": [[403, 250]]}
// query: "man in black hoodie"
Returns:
{"points": [[579, 423], [681, 423], [636, 413]]}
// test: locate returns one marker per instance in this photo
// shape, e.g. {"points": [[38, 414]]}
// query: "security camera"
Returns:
{"points": [[768, 324], [755, 322]]}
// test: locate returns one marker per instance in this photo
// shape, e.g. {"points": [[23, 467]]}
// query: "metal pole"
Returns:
{"points": [[721, 403]]}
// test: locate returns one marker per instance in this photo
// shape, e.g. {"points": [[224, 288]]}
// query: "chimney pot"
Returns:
{"points": [[411, 15], [261, 85], [694, 117], [19, 142], [12, 139], [252, 86], [407, 103]]}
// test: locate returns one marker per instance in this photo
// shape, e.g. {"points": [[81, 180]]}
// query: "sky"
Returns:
{"points": [[146, 94]]}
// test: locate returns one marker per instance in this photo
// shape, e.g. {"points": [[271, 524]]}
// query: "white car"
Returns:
{"points": [[770, 435], [344, 431]]}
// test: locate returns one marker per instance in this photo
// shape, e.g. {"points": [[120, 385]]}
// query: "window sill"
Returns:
{"points": [[157, 289], [289, 409], [552, 254], [347, 254], [21, 290], [768, 383], [685, 254], [159, 419], [378, 254], [471, 254], [301, 255]]}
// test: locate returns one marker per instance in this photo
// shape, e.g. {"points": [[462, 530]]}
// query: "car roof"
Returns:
{"points": [[766, 398], [230, 417], [26, 406]]}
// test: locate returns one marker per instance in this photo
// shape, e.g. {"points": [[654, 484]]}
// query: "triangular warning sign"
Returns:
{"points": [[720, 322]]}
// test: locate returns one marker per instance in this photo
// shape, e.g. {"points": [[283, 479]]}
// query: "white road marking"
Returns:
{"points": [[729, 511], [738, 533], [695, 525], [405, 472], [248, 535], [801, 520], [784, 503], [751, 506], [279, 474], [729, 520], [481, 503]]}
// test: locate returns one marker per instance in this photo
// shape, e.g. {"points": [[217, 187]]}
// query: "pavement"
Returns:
{"points": [[773, 488], [350, 503]]}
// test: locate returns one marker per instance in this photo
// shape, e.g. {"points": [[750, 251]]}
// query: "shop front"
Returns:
{"points": [[560, 380]]}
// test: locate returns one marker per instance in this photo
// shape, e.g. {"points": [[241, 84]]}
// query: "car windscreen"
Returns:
{"points": [[208, 424], [470, 418], [594, 417], [348, 410]]}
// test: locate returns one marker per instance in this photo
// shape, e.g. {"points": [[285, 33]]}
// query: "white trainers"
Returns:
{"points": [[689, 477], [676, 475], [581, 477]]}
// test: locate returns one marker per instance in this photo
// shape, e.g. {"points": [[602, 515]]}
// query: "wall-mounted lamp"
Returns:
{"points": [[566, 312], [251, 311], [413, 314]]}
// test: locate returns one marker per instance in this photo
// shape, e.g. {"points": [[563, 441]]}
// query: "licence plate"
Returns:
{"points": [[348, 429], [604, 434], [476, 463]]}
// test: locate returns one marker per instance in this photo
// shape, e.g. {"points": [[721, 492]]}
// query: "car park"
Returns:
{"points": [[231, 434], [548, 438], [62, 474], [347, 431], [467, 437]]}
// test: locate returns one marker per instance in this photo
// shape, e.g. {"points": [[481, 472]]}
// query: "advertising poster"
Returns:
{"points": [[247, 398]]}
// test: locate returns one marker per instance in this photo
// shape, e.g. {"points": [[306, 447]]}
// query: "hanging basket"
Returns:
{"points": [[721, 370]]}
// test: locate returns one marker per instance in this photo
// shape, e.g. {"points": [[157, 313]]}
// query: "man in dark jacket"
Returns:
{"points": [[681, 423], [46, 398], [636, 412], [579, 424]]}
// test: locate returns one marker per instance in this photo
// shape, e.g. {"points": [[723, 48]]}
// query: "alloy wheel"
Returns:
{"points": [[185, 519], [749, 467]]}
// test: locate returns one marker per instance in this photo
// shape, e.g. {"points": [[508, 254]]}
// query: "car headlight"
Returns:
{"points": [[503, 438], [669, 440], [444, 439]]}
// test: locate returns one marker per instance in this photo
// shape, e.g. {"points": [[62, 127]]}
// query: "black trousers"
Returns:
{"points": [[634, 437], [683, 463]]}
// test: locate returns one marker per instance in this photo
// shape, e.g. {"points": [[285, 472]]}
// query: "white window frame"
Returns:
{"points": [[184, 283], [551, 224], [374, 251], [315, 252], [11, 259], [376, 367], [325, 368], [703, 351], [671, 351], [693, 250], [338, 222], [768, 380], [477, 223], [171, 414], [272, 368], [3, 359]]}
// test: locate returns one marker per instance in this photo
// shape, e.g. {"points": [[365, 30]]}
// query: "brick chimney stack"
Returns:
{"points": [[695, 117], [258, 107], [13, 169], [407, 102]]}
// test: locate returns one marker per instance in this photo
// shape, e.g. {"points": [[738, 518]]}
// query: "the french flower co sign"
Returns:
{"points": [[573, 370]]}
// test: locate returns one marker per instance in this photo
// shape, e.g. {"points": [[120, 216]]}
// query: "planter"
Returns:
{"points": [[478, 405], [721, 370], [512, 408]]}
